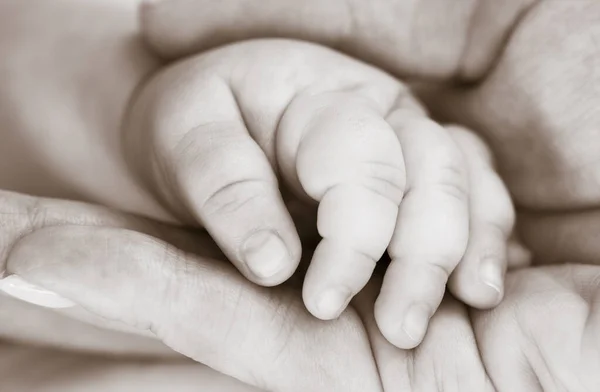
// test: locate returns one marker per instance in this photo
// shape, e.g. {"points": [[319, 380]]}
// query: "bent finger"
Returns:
{"points": [[347, 157], [197, 154], [431, 232]]}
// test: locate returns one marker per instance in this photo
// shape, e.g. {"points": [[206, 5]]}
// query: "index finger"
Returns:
{"points": [[21, 215]]}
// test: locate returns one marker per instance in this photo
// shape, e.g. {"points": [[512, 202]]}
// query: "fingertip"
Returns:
{"points": [[491, 273], [268, 258], [336, 274], [329, 303], [251, 225], [416, 321], [479, 283], [405, 331], [479, 296], [17, 287], [410, 294]]}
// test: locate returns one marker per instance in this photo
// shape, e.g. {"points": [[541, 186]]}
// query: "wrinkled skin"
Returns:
{"points": [[542, 337]]}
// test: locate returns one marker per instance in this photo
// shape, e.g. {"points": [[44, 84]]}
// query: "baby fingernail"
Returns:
{"points": [[265, 254], [331, 303], [17, 287], [416, 321], [492, 273]]}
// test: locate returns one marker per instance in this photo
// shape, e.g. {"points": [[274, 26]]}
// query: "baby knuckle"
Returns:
{"points": [[234, 196], [443, 266], [454, 189], [388, 187]]}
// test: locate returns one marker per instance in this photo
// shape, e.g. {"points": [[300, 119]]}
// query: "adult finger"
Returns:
{"points": [[455, 39], [544, 334], [22, 214], [431, 232], [194, 150], [200, 308]]}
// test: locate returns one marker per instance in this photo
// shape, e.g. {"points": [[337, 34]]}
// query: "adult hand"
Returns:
{"points": [[122, 278], [206, 310], [538, 110], [103, 262], [21, 215], [125, 272], [542, 337]]}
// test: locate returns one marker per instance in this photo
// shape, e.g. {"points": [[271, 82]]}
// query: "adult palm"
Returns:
{"points": [[123, 271]]}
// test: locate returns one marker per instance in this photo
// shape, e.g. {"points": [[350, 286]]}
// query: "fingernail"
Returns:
{"points": [[265, 254], [491, 273], [331, 302], [415, 322], [17, 287]]}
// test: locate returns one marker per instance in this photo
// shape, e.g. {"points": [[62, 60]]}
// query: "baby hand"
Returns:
{"points": [[212, 134]]}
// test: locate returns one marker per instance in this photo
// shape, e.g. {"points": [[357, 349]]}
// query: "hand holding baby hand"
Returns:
{"points": [[211, 135]]}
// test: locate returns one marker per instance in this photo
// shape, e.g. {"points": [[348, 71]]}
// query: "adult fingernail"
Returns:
{"points": [[416, 321], [331, 303], [17, 287], [265, 254], [491, 273]]}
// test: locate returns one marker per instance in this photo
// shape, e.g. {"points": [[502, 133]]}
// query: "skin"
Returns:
{"points": [[194, 144], [570, 283], [73, 372], [143, 281], [474, 64], [338, 142]]}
